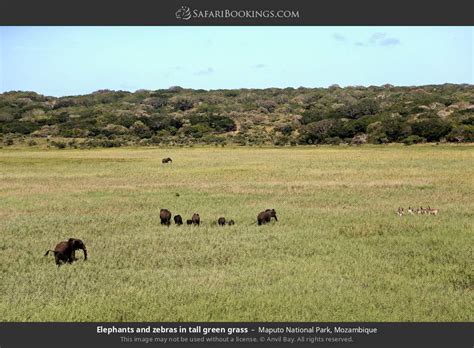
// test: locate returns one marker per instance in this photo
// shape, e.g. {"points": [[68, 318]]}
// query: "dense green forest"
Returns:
{"points": [[290, 116]]}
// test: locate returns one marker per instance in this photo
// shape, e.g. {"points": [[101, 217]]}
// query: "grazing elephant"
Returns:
{"points": [[221, 221], [165, 217], [166, 160], [178, 220], [196, 219], [265, 216], [231, 222], [66, 251], [189, 221]]}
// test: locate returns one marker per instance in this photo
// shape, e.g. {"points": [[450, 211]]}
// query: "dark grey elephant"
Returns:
{"points": [[66, 251], [264, 217]]}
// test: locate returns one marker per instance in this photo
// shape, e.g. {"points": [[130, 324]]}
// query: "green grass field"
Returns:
{"points": [[338, 252]]}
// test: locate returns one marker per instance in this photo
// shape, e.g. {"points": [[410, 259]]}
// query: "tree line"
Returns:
{"points": [[290, 116]]}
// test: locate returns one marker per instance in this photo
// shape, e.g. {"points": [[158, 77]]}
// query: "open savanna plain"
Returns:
{"points": [[338, 252]]}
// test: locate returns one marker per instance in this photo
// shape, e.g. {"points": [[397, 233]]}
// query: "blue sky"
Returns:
{"points": [[77, 60]]}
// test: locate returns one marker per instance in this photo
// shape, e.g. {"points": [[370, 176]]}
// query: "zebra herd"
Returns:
{"points": [[417, 211]]}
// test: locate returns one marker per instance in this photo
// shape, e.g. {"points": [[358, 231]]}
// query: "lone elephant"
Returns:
{"points": [[66, 251], [264, 217]]}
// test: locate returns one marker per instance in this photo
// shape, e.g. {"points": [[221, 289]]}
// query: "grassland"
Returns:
{"points": [[337, 253]]}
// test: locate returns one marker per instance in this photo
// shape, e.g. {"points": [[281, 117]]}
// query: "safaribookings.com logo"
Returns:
{"points": [[183, 13], [186, 13]]}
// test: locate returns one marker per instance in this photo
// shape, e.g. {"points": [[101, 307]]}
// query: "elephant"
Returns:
{"points": [[231, 222], [265, 216], [196, 219], [189, 221], [66, 251], [221, 221], [165, 217], [178, 220], [166, 160]]}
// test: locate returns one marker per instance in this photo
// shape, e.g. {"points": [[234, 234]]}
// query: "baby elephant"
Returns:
{"points": [[178, 220], [196, 219], [265, 216], [222, 222], [66, 251], [166, 160], [189, 221], [165, 217]]}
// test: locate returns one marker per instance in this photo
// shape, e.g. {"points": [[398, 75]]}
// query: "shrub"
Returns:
{"points": [[114, 129], [218, 123], [316, 132], [72, 144], [413, 139], [469, 121], [394, 129], [359, 139], [315, 113], [333, 141], [155, 103], [182, 104], [59, 144], [140, 129], [162, 121], [231, 93], [281, 140], [269, 105], [197, 130], [285, 129], [8, 141], [433, 129], [462, 133], [212, 139]]}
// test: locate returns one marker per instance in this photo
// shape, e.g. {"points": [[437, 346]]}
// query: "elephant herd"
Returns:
{"points": [[65, 251], [263, 217], [165, 218]]}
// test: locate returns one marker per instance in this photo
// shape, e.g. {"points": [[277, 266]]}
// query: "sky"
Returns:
{"points": [[59, 61]]}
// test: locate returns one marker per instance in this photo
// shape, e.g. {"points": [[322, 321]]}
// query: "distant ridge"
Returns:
{"points": [[289, 116]]}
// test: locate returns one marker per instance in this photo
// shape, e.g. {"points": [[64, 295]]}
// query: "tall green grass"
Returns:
{"points": [[338, 252]]}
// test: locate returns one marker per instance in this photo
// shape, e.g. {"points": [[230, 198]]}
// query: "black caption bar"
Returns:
{"points": [[366, 335], [241, 12]]}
